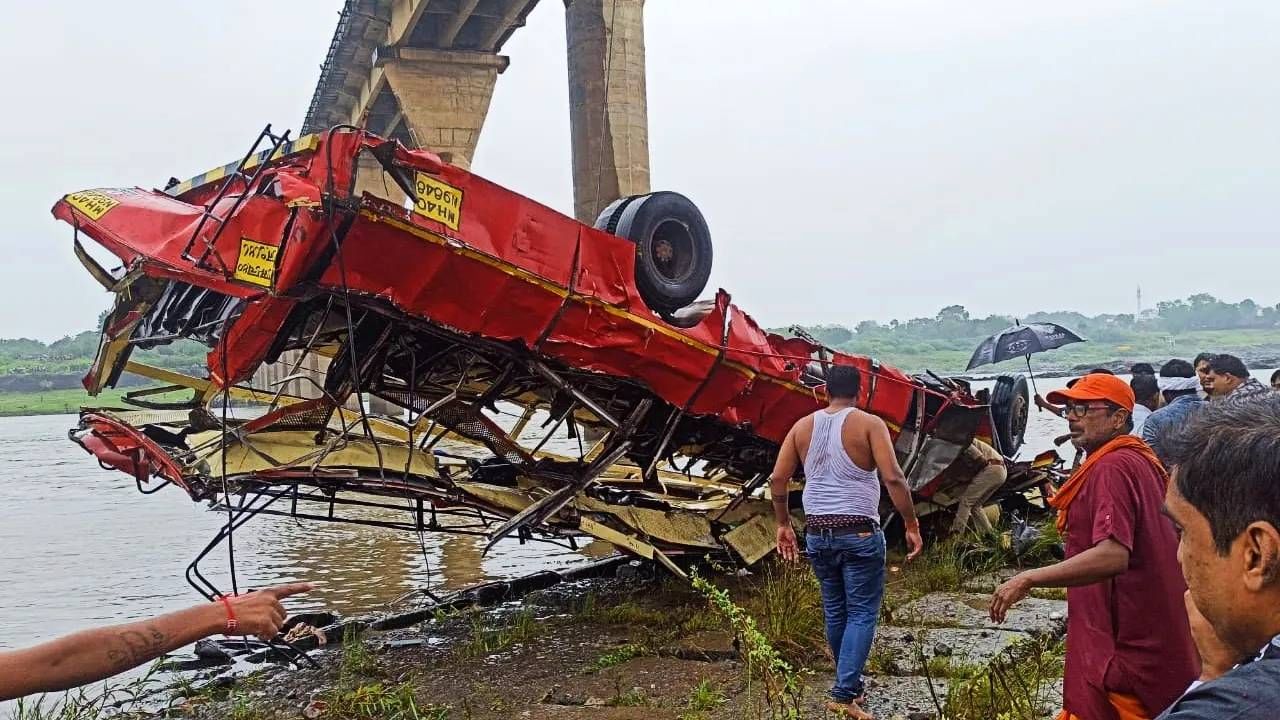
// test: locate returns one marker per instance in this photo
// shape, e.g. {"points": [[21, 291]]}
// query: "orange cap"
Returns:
{"points": [[1097, 386]]}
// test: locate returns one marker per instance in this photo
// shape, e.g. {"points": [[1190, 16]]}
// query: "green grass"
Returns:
{"points": [[53, 402], [884, 660], [109, 699], [618, 656], [634, 697], [379, 702], [946, 566], [69, 402], [787, 603], [628, 613], [1016, 686], [357, 661], [783, 688], [242, 708], [939, 666], [706, 696], [1139, 346], [487, 640]]}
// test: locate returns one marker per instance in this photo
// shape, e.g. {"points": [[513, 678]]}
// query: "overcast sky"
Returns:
{"points": [[855, 159]]}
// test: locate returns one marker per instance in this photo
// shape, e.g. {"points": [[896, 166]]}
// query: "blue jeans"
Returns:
{"points": [[850, 570]]}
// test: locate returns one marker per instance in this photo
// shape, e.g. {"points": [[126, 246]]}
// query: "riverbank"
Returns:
{"points": [[55, 402], [68, 401], [1258, 349], [645, 645]]}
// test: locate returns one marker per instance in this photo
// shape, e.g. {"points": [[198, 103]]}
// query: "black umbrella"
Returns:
{"points": [[1022, 341]]}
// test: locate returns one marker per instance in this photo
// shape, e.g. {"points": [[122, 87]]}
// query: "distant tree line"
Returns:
{"points": [[953, 328], [74, 354]]}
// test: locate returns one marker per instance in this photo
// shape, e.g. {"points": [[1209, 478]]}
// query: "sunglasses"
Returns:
{"points": [[1079, 410]]}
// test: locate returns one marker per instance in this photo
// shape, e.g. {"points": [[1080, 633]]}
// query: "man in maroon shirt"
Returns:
{"points": [[1129, 647]]}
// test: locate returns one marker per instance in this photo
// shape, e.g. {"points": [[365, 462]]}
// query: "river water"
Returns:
{"points": [[80, 547]]}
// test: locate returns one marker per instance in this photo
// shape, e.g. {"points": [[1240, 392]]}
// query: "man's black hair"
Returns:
{"points": [[1142, 369], [1144, 386], [1202, 357], [843, 382], [1096, 371], [1225, 364], [1226, 462], [1176, 368], [1275, 376]]}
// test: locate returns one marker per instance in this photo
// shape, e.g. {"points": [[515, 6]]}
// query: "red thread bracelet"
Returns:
{"points": [[232, 623]]}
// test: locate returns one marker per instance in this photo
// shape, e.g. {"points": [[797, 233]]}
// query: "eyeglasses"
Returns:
{"points": [[1079, 410]]}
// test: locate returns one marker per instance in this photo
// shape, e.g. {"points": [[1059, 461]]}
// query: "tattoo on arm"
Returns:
{"points": [[131, 648]]}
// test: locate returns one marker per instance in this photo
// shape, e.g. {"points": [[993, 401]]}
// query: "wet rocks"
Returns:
{"points": [[905, 651], [1035, 616]]}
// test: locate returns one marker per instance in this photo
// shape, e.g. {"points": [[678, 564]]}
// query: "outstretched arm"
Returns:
{"points": [[1046, 405], [97, 654], [783, 470], [895, 481], [1104, 560]]}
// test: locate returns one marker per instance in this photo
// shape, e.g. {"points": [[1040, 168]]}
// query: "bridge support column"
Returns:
{"points": [[444, 97], [608, 110], [371, 179]]}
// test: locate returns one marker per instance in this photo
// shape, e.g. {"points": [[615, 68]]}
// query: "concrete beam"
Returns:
{"points": [[608, 108], [449, 32], [514, 8], [369, 90], [405, 15]]}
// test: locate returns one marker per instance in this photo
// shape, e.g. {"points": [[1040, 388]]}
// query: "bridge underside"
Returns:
{"points": [[423, 72]]}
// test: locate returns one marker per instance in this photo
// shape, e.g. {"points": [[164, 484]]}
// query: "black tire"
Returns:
{"points": [[608, 218], [673, 246], [1010, 404]]}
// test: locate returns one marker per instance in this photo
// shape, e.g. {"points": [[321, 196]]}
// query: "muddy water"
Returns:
{"points": [[80, 547]]}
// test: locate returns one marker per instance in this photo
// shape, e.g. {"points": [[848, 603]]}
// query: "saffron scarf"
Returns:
{"points": [[1127, 707], [1062, 499]]}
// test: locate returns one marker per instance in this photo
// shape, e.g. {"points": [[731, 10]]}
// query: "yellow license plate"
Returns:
{"points": [[256, 263], [437, 200], [92, 203]]}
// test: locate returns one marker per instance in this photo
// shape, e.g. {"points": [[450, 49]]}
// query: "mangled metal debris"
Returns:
{"points": [[477, 314]]}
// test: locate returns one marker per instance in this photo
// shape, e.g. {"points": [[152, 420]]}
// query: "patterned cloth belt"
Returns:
{"points": [[835, 522]]}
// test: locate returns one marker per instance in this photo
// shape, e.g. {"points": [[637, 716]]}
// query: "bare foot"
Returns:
{"points": [[850, 709]]}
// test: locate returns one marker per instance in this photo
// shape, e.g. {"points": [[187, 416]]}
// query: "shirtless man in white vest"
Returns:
{"points": [[846, 453]]}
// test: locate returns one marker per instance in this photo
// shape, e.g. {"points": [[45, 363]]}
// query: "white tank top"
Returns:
{"points": [[833, 484]]}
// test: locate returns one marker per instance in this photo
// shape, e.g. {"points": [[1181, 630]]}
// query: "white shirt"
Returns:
{"points": [[1140, 414]]}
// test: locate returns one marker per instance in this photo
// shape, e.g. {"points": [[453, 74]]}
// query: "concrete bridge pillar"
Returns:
{"points": [[608, 110], [443, 96], [371, 179]]}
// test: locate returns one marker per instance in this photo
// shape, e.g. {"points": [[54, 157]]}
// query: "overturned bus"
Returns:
{"points": [[483, 324]]}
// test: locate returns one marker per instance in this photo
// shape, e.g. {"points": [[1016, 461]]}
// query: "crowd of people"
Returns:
{"points": [[1171, 527]]}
